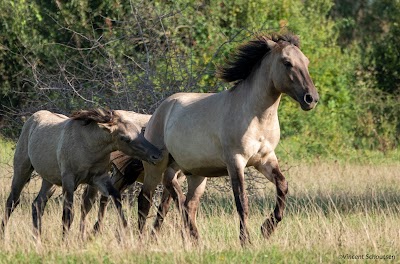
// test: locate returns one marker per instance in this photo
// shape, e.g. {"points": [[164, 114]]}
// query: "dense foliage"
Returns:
{"points": [[131, 54]]}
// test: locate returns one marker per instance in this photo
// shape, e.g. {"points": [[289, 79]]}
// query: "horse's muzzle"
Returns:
{"points": [[155, 158], [309, 101]]}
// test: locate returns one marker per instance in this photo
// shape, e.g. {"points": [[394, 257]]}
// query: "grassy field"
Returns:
{"points": [[334, 211]]}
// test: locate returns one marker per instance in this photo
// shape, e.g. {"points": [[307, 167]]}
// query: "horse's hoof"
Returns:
{"points": [[245, 243], [96, 229], [244, 239], [268, 228]]}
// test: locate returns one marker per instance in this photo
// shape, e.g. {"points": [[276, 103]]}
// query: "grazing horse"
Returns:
{"points": [[72, 151], [212, 135]]}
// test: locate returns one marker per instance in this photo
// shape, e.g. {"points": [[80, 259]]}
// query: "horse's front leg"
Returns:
{"points": [[236, 172], [68, 187], [116, 197], [271, 170], [88, 198], [98, 226]]}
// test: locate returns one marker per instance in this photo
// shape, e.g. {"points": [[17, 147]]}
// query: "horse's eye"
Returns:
{"points": [[125, 139], [287, 64]]}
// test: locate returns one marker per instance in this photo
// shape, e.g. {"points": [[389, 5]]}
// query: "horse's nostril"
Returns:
{"points": [[308, 98], [154, 157]]}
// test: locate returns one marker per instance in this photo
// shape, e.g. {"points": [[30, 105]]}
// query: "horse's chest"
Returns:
{"points": [[97, 169], [258, 145], [85, 172], [88, 176]]}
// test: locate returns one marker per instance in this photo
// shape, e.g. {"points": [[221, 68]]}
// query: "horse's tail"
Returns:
{"points": [[21, 149], [22, 170]]}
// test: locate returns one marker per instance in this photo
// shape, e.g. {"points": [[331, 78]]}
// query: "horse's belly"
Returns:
{"points": [[47, 167], [207, 171], [43, 156], [189, 160], [199, 159]]}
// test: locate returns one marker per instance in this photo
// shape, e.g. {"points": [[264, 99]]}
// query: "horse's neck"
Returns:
{"points": [[99, 140], [259, 98]]}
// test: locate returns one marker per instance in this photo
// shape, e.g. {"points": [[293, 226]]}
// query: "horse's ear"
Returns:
{"points": [[110, 127], [271, 44]]}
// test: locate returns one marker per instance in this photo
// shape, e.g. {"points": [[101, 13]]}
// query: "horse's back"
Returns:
{"points": [[45, 128], [39, 138], [41, 121], [170, 112], [189, 126]]}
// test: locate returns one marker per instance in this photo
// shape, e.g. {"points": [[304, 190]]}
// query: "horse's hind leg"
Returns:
{"points": [[271, 170], [162, 210], [172, 190], [88, 198], [196, 188], [22, 173], [38, 205], [236, 173], [68, 188], [151, 180]]}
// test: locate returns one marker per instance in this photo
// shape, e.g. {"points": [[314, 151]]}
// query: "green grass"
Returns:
{"points": [[6, 155], [334, 209], [268, 255], [290, 150], [6, 150]]}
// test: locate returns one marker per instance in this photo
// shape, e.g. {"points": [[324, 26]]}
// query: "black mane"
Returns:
{"points": [[248, 55]]}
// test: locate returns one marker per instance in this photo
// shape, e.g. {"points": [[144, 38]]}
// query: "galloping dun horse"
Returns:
{"points": [[71, 151], [212, 135]]}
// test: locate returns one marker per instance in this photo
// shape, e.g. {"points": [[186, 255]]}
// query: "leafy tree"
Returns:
{"points": [[131, 54]]}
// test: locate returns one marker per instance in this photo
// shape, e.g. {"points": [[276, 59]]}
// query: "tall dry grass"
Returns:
{"points": [[332, 210]]}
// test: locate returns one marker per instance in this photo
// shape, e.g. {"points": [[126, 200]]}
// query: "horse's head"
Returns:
{"points": [[126, 132], [289, 71], [130, 139]]}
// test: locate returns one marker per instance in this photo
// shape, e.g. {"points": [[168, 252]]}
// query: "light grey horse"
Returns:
{"points": [[71, 151], [212, 135]]}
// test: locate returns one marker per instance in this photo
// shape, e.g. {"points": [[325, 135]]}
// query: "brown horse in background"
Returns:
{"points": [[212, 135], [71, 151], [126, 170]]}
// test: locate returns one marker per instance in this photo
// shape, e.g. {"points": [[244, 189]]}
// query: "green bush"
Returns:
{"points": [[79, 54]]}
